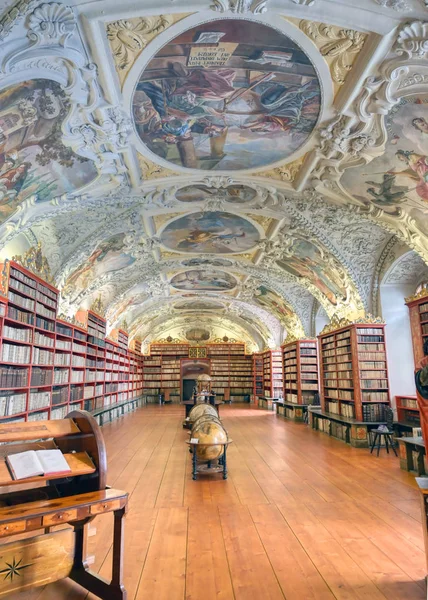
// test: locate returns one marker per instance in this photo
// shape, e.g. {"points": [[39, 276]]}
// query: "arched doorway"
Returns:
{"points": [[190, 369]]}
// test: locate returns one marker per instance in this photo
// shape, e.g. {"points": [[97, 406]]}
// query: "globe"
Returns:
{"points": [[209, 432], [207, 417], [202, 409]]}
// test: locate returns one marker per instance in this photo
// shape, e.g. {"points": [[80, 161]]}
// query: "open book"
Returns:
{"points": [[40, 462]]}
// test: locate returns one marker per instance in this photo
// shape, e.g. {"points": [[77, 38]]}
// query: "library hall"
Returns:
{"points": [[213, 299]]}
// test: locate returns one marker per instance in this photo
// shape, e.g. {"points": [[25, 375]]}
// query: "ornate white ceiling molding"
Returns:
{"points": [[355, 140], [398, 5], [14, 15], [240, 6]]}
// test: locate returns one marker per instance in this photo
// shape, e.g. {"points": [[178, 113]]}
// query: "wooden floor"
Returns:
{"points": [[302, 516]]}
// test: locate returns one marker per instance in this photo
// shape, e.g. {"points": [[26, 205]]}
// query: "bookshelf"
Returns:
{"points": [[162, 371], [418, 312], [300, 364], [257, 376], [231, 371], [49, 366], [354, 382], [273, 384]]}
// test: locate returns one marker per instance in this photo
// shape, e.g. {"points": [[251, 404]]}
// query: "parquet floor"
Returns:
{"points": [[302, 516]]}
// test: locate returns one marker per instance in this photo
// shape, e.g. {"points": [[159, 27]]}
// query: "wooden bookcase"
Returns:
{"points": [[418, 310], [408, 416], [354, 382], [49, 366], [231, 371], [300, 364], [273, 383], [162, 371], [257, 376]]}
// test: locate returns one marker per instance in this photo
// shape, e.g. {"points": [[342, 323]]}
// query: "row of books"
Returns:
{"points": [[408, 403], [41, 339], [376, 331], [12, 404], [375, 383], [339, 394], [19, 335], [362, 339], [374, 412], [38, 400], [375, 396], [45, 357], [19, 300], [15, 354], [20, 315]]}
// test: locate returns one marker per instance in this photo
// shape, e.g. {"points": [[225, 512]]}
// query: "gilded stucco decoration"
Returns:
{"points": [[129, 37], [339, 46], [36, 262], [150, 170]]}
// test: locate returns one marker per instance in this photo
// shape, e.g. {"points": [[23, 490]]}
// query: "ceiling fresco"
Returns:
{"points": [[399, 177], [242, 170], [33, 157], [227, 95], [210, 232], [203, 281]]}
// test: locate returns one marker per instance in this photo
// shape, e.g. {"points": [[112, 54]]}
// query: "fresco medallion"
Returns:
{"points": [[213, 232], [398, 178], [33, 159], [204, 281], [227, 95]]}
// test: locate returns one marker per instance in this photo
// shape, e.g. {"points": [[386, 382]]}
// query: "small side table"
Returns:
{"points": [[222, 461]]}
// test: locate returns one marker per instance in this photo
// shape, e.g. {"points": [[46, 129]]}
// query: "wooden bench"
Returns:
{"points": [[40, 504]]}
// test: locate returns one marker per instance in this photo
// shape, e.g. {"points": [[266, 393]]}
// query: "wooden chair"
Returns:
{"points": [[36, 505], [387, 434]]}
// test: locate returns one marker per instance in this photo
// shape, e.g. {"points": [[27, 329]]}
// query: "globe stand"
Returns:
{"points": [[207, 467]]}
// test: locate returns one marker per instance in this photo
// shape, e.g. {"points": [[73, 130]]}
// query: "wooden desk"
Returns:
{"points": [[73, 500]]}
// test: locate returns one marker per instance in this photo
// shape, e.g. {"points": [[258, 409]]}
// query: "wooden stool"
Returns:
{"points": [[389, 441], [388, 433]]}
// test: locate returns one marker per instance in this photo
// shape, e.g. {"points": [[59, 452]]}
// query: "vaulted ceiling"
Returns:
{"points": [[216, 168]]}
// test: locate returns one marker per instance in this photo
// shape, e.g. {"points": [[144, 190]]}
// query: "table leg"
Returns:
{"points": [[224, 463], [194, 475], [393, 446], [374, 442]]}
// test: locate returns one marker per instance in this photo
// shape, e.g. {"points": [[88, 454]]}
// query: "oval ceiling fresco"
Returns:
{"points": [[227, 95], [204, 281], [210, 232]]}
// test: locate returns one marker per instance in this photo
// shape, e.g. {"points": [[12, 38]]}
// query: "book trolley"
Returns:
{"points": [[33, 550], [354, 381], [300, 361]]}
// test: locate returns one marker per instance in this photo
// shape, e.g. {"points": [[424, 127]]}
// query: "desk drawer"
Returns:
{"points": [[12, 528], [57, 518], [107, 506]]}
